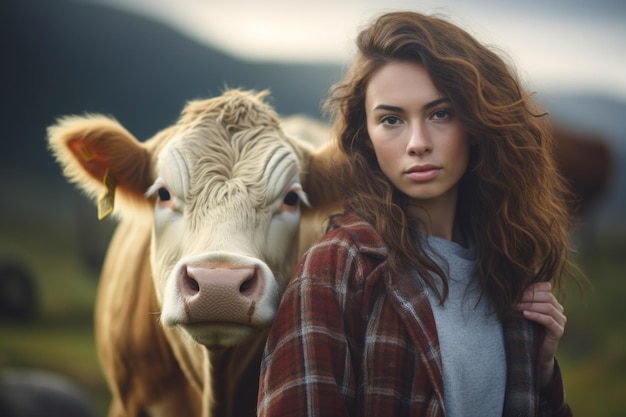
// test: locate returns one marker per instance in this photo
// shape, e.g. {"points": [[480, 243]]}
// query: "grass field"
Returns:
{"points": [[60, 339]]}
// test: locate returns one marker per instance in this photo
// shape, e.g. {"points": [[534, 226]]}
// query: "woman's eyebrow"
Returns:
{"points": [[426, 106], [437, 102], [387, 107]]}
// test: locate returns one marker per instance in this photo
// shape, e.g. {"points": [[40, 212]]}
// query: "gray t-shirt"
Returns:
{"points": [[470, 336]]}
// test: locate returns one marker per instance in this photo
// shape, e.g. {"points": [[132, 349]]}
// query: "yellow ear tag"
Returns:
{"points": [[106, 201]]}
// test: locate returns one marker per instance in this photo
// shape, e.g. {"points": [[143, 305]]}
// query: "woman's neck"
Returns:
{"points": [[438, 219]]}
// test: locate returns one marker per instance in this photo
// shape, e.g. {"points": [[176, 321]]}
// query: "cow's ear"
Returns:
{"points": [[322, 163], [324, 184], [103, 159]]}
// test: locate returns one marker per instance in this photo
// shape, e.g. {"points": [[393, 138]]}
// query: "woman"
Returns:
{"points": [[431, 295]]}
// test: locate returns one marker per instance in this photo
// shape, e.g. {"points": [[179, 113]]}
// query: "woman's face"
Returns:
{"points": [[419, 141]]}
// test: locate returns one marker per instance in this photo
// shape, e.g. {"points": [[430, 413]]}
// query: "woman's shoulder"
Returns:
{"points": [[352, 230], [351, 247], [349, 258]]}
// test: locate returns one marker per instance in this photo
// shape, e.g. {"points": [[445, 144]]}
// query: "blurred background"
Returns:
{"points": [[141, 60]]}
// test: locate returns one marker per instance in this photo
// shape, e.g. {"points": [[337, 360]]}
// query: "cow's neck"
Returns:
{"points": [[234, 376]]}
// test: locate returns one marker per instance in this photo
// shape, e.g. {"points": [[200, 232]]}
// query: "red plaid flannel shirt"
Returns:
{"points": [[351, 339]]}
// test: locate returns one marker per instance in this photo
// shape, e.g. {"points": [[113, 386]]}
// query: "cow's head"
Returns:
{"points": [[223, 187]]}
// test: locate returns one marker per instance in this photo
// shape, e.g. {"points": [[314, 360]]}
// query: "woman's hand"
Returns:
{"points": [[540, 305]]}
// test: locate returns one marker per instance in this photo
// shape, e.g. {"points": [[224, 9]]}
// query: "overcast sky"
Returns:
{"points": [[560, 44]]}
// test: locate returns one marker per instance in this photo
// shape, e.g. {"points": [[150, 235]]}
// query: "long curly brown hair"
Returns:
{"points": [[512, 200]]}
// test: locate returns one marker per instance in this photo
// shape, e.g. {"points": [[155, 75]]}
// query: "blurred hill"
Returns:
{"points": [[64, 57]]}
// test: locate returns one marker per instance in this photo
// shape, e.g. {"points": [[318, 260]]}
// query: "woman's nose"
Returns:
{"points": [[419, 140]]}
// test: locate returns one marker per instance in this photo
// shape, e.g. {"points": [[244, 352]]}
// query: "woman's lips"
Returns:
{"points": [[423, 173]]}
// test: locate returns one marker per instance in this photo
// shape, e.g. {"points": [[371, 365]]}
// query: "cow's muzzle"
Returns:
{"points": [[218, 293]]}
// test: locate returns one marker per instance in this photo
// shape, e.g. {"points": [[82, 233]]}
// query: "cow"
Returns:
{"points": [[213, 212]]}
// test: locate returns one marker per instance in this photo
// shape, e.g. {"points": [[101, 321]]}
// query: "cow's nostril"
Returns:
{"points": [[191, 284], [248, 286]]}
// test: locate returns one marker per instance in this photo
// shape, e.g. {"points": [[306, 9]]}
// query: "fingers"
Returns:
{"points": [[540, 292], [553, 320], [540, 305]]}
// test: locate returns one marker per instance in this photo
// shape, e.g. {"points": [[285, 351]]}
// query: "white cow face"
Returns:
{"points": [[225, 230]]}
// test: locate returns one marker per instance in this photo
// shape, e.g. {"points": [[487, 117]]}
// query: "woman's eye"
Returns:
{"points": [[291, 199], [164, 195], [441, 114], [390, 120]]}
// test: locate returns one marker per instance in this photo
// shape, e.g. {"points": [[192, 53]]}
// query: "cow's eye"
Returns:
{"points": [[291, 199], [164, 195]]}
